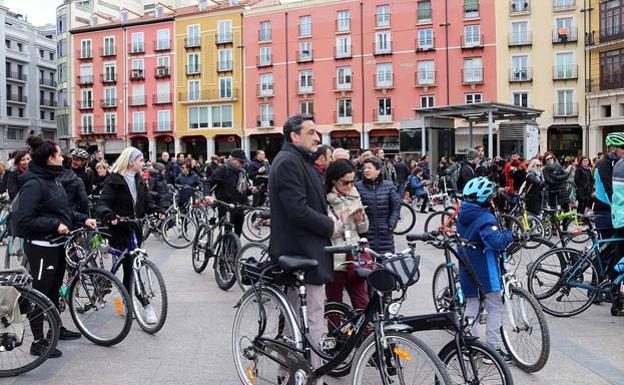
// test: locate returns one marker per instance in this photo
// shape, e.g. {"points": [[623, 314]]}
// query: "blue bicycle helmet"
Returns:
{"points": [[479, 189]]}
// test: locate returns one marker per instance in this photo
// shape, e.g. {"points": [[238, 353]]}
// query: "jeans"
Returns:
{"points": [[401, 188]]}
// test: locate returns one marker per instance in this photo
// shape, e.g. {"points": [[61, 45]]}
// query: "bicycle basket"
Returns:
{"points": [[406, 268], [253, 271]]}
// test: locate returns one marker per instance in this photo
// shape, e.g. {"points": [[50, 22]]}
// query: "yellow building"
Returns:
{"points": [[605, 55], [540, 63], [208, 79]]}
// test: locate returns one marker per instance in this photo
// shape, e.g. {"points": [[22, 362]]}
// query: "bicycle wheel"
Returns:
{"points": [[200, 253], [407, 219], [17, 336], [555, 278], [178, 231], [153, 294], [406, 360], [255, 362], [256, 250], [100, 306], [528, 342], [225, 263], [145, 228], [339, 318], [520, 257], [435, 221], [440, 288], [489, 367], [256, 228], [577, 230], [533, 226]]}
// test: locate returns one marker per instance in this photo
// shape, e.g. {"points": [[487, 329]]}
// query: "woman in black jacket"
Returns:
{"points": [[43, 210], [20, 164], [158, 188], [383, 206], [584, 182], [556, 183], [534, 187]]}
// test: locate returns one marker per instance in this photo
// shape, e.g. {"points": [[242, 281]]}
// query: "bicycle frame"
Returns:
{"points": [[587, 255]]}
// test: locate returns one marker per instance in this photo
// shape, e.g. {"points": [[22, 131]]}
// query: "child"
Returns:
{"points": [[479, 226], [417, 187]]}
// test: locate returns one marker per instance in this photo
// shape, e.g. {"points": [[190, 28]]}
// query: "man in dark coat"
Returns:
{"points": [[402, 173], [258, 170], [467, 169], [300, 225]]}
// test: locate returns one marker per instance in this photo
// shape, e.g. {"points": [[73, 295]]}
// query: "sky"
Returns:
{"points": [[39, 12]]}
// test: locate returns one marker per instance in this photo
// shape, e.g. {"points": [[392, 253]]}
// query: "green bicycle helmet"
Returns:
{"points": [[615, 139]]}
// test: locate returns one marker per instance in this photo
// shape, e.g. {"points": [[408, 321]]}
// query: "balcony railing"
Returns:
{"points": [[192, 42], [84, 55], [162, 98], [108, 103], [565, 72], [523, 74], [265, 120], [136, 100], [383, 116], [343, 25], [47, 82], [264, 61], [519, 6], [423, 45], [86, 130], [305, 89], [344, 86], [564, 35], [106, 128], [305, 56], [563, 4], [108, 79], [517, 39], [48, 103], [383, 82], [136, 128], [472, 75], [16, 76], [343, 53], [191, 69], [382, 49], [137, 74], [136, 48], [84, 80], [223, 38], [108, 52], [162, 45], [208, 95], [266, 91], [161, 72], [612, 34], [85, 105], [472, 42], [344, 119], [224, 65], [562, 110], [611, 81], [425, 78], [162, 126]]}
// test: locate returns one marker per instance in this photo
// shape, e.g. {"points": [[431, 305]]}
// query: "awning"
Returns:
{"points": [[114, 146], [345, 134], [227, 138], [384, 132]]}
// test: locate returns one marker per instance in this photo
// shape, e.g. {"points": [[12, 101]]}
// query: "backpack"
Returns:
{"points": [[14, 228]]}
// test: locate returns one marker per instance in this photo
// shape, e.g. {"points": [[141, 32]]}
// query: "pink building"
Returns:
{"points": [[123, 92], [362, 67]]}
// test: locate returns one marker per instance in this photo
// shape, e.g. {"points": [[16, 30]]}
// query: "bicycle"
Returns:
{"points": [[257, 225], [407, 219], [282, 354], [179, 228], [13, 254], [256, 251]]}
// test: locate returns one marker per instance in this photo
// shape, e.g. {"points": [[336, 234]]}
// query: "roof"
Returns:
{"points": [[479, 112]]}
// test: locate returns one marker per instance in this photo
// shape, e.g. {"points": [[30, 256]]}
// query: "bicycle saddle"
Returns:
{"points": [[294, 263]]}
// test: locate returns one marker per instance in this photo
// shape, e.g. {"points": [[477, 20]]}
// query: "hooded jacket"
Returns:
{"points": [[158, 189], [351, 203], [479, 226], [75, 190]]}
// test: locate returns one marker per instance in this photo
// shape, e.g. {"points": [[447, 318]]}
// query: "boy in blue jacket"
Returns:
{"points": [[477, 224]]}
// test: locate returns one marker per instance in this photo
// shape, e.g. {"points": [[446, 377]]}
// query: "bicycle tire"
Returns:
{"points": [[407, 215], [439, 288], [181, 233], [479, 350], [33, 299], [337, 334], [146, 229], [225, 258], [435, 221], [147, 328], [364, 357], [527, 365], [199, 247], [248, 227], [241, 258], [121, 304]]}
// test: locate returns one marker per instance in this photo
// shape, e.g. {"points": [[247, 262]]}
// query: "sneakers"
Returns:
{"points": [[67, 335], [149, 314], [39, 347], [506, 357]]}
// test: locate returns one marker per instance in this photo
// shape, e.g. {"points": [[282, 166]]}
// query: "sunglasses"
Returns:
{"points": [[347, 182], [550, 158]]}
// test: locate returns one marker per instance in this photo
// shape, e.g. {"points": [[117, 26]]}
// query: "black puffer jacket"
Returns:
{"points": [[225, 181], [584, 183], [75, 190], [43, 204], [535, 192], [12, 184], [556, 189], [384, 206], [158, 189]]}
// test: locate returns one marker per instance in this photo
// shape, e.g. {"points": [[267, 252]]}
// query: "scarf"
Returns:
{"points": [[21, 169], [241, 184], [131, 182]]}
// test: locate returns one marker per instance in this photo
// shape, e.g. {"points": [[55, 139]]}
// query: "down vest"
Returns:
{"points": [[383, 208]]}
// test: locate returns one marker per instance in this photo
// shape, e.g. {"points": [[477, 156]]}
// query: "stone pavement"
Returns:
{"points": [[194, 345]]}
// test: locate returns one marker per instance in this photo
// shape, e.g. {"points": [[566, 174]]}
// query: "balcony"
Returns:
{"points": [[192, 42], [265, 121], [519, 75], [385, 82], [519, 7], [472, 76], [108, 52], [305, 89], [162, 98], [85, 80], [343, 53], [136, 48], [382, 49], [106, 129], [161, 72], [382, 20], [305, 56], [224, 66], [565, 72], [162, 45], [84, 55], [562, 5], [565, 110], [343, 86], [425, 79], [343, 25], [565, 35], [472, 42], [424, 45], [223, 38], [264, 61], [51, 83], [16, 76], [136, 128], [265, 91], [86, 130], [108, 103], [611, 81], [85, 105], [162, 126], [108, 78], [519, 39], [48, 103], [137, 74], [211, 95], [191, 70], [264, 35], [612, 34], [383, 116], [136, 100], [344, 119]]}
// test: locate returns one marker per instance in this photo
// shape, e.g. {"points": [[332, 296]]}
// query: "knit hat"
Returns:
{"points": [[159, 166], [472, 154]]}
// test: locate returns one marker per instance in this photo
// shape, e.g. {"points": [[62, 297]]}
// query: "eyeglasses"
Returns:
{"points": [[538, 165], [550, 158], [347, 182]]}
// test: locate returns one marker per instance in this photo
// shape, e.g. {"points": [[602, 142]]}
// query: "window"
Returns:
{"points": [[193, 90], [192, 35], [15, 134], [164, 120], [384, 112], [472, 35], [138, 121], [473, 98], [138, 95], [345, 111], [137, 64], [383, 16], [110, 123], [473, 70], [159, 11], [85, 48], [61, 48], [42, 114], [192, 63], [221, 116], [162, 92], [471, 8], [266, 84], [611, 20], [564, 30], [87, 98], [520, 68], [110, 96], [427, 101], [343, 23], [383, 75], [563, 3], [565, 103], [41, 53], [162, 61], [426, 72], [424, 11], [343, 46], [198, 117], [306, 82], [162, 39], [87, 124], [425, 39], [564, 67], [305, 51], [7, 43], [520, 33], [225, 88], [224, 30], [109, 72], [521, 99], [61, 25], [343, 78], [611, 64], [265, 31], [383, 43], [225, 59], [109, 46], [20, 112], [20, 47], [266, 115], [305, 26], [265, 56], [9, 111], [306, 107], [51, 115], [138, 45], [606, 111]]}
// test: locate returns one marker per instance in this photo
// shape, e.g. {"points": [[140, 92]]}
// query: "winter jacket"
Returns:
{"points": [[98, 182], [466, 173], [402, 172], [426, 171], [351, 229], [85, 177], [534, 189], [383, 209], [3, 180], [159, 190], [256, 165], [191, 180], [43, 203], [584, 184], [12, 184], [225, 182], [479, 226], [416, 186], [556, 188], [75, 190]]}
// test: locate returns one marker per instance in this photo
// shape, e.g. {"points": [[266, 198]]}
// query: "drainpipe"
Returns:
{"points": [[587, 9], [362, 71], [446, 28], [287, 77], [125, 88], [242, 79]]}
